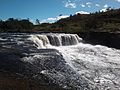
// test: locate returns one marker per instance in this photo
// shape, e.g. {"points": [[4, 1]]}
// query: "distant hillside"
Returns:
{"points": [[108, 21], [16, 25]]}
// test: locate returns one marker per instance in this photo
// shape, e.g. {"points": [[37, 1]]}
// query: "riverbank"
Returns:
{"points": [[109, 39]]}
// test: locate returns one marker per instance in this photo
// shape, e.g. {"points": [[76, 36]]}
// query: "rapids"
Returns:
{"points": [[98, 65]]}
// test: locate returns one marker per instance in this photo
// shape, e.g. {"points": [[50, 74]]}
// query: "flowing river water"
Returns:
{"points": [[83, 67]]}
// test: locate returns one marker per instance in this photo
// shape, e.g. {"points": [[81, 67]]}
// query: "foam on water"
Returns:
{"points": [[40, 40], [45, 40], [99, 64]]}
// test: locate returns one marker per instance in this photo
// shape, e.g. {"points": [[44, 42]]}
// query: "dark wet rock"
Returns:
{"points": [[14, 69], [103, 38], [47, 66], [24, 63]]}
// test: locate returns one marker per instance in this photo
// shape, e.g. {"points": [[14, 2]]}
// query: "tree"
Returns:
{"points": [[37, 22], [108, 9], [10, 19]]}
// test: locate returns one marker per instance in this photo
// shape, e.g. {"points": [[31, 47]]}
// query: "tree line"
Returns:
{"points": [[16, 25], [108, 21]]}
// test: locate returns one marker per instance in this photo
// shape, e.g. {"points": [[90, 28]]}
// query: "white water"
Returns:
{"points": [[47, 40], [100, 65]]}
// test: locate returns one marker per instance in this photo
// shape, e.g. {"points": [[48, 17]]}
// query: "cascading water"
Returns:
{"points": [[85, 66], [98, 64], [46, 40]]}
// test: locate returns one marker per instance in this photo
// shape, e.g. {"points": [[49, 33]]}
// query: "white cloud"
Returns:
{"points": [[97, 5], [89, 4], [33, 21], [63, 16], [118, 0], [70, 4], [82, 12], [51, 20], [82, 5], [105, 6], [103, 10]]}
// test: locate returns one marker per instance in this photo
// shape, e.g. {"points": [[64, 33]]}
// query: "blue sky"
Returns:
{"points": [[49, 10]]}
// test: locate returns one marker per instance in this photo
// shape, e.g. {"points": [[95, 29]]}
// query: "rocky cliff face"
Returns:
{"points": [[103, 38]]}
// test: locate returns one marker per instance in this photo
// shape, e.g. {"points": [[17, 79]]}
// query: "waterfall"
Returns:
{"points": [[65, 60], [45, 40], [98, 64], [40, 40]]}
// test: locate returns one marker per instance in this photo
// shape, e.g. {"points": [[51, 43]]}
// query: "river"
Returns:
{"points": [[66, 61]]}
